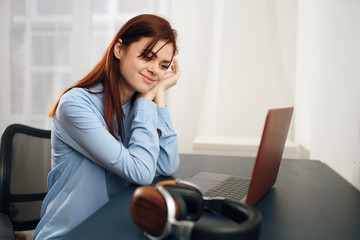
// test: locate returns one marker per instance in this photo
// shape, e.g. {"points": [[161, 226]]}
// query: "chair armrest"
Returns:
{"points": [[6, 229]]}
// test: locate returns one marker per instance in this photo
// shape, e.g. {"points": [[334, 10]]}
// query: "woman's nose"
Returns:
{"points": [[151, 67]]}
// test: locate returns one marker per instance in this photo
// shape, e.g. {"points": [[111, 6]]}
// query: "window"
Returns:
{"points": [[44, 43]]}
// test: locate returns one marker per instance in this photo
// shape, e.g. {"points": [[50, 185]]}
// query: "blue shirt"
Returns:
{"points": [[90, 166]]}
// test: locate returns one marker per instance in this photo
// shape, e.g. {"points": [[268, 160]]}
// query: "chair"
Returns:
{"points": [[24, 165]]}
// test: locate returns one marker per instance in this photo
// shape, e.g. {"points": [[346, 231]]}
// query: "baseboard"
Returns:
{"points": [[236, 146]]}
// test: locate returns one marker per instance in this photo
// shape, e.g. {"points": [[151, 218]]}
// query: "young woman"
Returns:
{"points": [[112, 128]]}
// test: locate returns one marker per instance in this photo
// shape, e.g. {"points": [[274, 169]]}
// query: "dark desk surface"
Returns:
{"points": [[309, 201]]}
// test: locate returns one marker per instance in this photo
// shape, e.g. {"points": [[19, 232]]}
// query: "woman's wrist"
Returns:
{"points": [[160, 98]]}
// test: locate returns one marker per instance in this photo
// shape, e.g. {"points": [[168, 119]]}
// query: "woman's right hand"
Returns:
{"points": [[152, 92]]}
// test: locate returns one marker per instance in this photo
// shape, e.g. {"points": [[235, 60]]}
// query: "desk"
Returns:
{"points": [[309, 201]]}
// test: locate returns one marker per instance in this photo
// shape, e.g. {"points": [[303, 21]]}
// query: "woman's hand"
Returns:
{"points": [[169, 81], [152, 92], [172, 77]]}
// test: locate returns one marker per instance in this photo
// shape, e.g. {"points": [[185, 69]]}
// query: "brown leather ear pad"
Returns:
{"points": [[148, 210]]}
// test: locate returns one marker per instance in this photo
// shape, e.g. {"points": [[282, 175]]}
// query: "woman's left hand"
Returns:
{"points": [[172, 77], [169, 80]]}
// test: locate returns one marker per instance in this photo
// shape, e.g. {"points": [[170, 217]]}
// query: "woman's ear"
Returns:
{"points": [[118, 49]]}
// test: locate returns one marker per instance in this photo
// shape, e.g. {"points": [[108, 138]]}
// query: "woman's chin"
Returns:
{"points": [[144, 89]]}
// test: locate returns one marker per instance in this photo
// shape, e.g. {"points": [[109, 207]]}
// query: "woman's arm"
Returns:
{"points": [[169, 81], [168, 160], [86, 133]]}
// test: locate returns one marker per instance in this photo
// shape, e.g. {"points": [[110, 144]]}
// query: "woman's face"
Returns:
{"points": [[141, 72]]}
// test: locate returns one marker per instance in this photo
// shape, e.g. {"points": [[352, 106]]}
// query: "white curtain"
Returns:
{"points": [[238, 60], [47, 45]]}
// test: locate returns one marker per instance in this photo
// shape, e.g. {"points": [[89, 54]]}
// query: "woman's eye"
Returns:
{"points": [[164, 66]]}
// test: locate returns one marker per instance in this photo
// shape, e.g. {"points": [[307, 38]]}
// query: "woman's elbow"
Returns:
{"points": [[145, 181], [144, 177], [169, 169], [169, 172]]}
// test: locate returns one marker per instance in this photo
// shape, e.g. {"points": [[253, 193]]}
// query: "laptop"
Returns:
{"points": [[251, 190]]}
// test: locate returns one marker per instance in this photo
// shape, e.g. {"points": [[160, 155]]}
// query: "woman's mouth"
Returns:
{"points": [[147, 79]]}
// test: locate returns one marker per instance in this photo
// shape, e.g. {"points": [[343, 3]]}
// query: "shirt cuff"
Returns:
{"points": [[164, 122], [163, 114], [145, 105]]}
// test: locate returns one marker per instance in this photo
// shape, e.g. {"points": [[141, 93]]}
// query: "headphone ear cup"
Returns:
{"points": [[148, 210], [181, 206], [189, 200]]}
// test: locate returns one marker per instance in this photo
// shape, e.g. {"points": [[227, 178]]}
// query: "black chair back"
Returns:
{"points": [[25, 163]]}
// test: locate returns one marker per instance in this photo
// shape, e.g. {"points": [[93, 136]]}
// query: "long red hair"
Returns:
{"points": [[107, 70]]}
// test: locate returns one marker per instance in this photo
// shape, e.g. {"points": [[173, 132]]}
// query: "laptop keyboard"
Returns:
{"points": [[234, 188]]}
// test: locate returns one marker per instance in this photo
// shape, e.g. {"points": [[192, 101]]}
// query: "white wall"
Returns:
{"points": [[328, 84], [240, 58]]}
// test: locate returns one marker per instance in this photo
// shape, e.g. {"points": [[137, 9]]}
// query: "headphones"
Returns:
{"points": [[172, 207]]}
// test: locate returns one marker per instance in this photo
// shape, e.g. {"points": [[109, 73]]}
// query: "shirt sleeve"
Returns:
{"points": [[85, 132], [168, 160]]}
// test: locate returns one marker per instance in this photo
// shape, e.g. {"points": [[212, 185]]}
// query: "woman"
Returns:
{"points": [[112, 128]]}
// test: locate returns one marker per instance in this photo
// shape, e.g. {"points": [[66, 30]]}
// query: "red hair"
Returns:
{"points": [[107, 70]]}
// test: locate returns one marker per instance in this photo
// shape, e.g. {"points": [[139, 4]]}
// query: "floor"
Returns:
{"points": [[24, 235]]}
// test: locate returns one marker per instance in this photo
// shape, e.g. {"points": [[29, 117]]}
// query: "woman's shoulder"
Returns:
{"points": [[79, 93], [78, 99]]}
